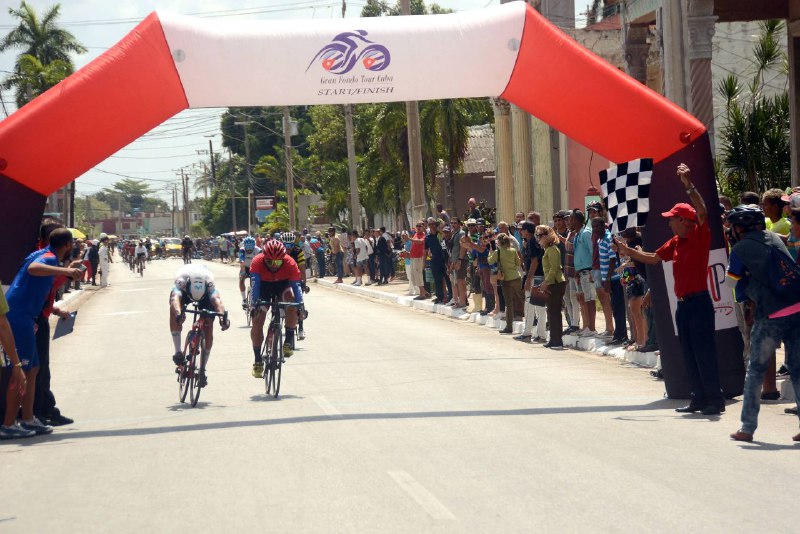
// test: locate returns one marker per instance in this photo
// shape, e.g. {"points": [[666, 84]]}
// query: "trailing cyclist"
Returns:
{"points": [[186, 247], [140, 254], [292, 244], [247, 252], [273, 273], [194, 283]]}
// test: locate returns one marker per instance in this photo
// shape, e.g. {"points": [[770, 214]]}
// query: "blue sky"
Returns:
{"points": [[158, 156]]}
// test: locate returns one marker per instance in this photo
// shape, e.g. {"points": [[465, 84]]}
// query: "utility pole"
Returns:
{"points": [[418, 207], [72, 204], [287, 141], [233, 202], [184, 183], [213, 165], [119, 214], [244, 124], [355, 202]]}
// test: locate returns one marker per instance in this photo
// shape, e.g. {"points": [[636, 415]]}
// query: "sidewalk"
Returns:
{"points": [[397, 293]]}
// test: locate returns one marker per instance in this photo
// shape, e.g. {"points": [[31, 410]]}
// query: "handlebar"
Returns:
{"points": [[206, 313], [283, 305]]}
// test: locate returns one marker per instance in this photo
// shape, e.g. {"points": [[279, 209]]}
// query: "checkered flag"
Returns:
{"points": [[626, 189]]}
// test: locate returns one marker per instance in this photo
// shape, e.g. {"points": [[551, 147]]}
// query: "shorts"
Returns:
{"points": [[461, 271], [598, 278], [635, 288], [25, 341], [286, 295], [415, 275], [586, 286], [186, 299], [245, 273], [572, 285], [362, 264]]}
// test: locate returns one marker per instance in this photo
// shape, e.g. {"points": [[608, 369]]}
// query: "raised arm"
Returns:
{"points": [[697, 201]]}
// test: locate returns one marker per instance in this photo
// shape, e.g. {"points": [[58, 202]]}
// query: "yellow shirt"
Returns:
{"points": [[782, 227]]}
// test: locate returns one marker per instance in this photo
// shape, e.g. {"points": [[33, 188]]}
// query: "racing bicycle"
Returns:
{"points": [[272, 350], [190, 373]]}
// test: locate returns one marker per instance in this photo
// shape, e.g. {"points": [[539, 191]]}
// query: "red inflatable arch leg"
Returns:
{"points": [[117, 98]]}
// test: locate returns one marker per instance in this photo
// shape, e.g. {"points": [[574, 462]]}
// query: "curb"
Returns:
{"points": [[593, 344]]}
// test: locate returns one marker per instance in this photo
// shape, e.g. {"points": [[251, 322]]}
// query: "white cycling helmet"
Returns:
{"points": [[197, 287]]}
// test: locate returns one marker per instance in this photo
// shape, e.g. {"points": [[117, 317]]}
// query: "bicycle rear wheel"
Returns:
{"points": [[248, 312], [197, 368]]}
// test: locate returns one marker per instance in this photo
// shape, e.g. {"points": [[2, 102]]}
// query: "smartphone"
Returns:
{"points": [[81, 268]]}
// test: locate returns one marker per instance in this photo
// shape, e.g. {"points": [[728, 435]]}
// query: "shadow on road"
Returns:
{"points": [[662, 404], [263, 397]]}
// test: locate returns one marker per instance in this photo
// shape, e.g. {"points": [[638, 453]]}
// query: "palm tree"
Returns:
{"points": [[755, 139], [44, 41], [32, 78], [445, 125]]}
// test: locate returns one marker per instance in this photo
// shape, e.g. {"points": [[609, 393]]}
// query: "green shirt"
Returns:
{"points": [[508, 261], [3, 303], [551, 265]]}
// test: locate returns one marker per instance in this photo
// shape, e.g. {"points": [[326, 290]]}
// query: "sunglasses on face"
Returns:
{"points": [[276, 264]]}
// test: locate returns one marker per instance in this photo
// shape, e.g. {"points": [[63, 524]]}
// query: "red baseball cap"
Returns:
{"points": [[681, 209]]}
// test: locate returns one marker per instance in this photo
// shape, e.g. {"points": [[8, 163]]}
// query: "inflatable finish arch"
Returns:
{"points": [[169, 63]]}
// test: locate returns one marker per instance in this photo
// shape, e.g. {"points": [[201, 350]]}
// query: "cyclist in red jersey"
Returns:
{"points": [[273, 273]]}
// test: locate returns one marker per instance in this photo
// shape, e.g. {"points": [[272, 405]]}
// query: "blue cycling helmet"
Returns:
{"points": [[249, 243]]}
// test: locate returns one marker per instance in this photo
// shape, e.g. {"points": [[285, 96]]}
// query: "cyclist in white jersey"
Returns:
{"points": [[247, 252], [194, 283], [140, 252]]}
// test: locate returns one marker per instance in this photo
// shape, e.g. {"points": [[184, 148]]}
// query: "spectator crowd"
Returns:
{"points": [[555, 278]]}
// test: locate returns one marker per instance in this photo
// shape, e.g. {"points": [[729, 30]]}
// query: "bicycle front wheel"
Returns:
{"points": [[248, 312], [184, 378], [276, 363], [197, 367], [266, 358]]}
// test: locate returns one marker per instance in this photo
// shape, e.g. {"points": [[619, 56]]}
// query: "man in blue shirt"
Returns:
{"points": [[27, 297], [583, 271]]}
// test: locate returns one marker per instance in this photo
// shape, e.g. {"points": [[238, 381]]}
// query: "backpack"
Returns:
{"points": [[782, 274]]}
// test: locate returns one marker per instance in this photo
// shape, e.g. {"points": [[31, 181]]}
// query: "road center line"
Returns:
{"points": [[326, 406], [424, 498]]}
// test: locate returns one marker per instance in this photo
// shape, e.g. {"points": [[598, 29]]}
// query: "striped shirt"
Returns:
{"points": [[605, 253], [569, 256]]}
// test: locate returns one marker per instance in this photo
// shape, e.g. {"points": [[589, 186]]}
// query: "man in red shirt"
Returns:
{"points": [[417, 254], [688, 250]]}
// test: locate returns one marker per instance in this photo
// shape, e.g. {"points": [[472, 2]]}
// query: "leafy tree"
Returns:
{"points": [[43, 40], [132, 191], [755, 146]]}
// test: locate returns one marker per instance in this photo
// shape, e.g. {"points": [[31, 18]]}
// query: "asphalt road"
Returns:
{"points": [[390, 420]]}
